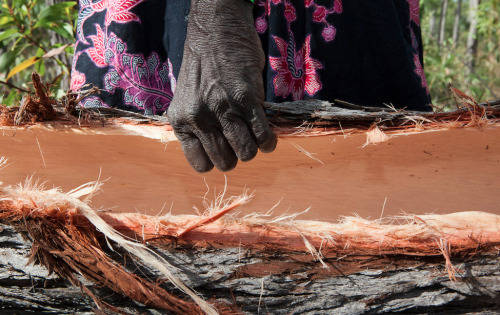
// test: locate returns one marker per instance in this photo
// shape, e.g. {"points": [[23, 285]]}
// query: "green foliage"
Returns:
{"points": [[27, 33], [447, 65]]}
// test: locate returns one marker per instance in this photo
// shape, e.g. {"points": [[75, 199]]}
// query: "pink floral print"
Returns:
{"points": [[414, 8], [419, 70], [414, 11], [319, 15], [147, 83], [96, 53], [296, 70]]}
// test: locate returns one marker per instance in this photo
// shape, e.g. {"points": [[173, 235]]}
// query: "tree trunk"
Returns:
{"points": [[269, 283], [432, 24], [471, 51], [442, 22], [456, 25]]}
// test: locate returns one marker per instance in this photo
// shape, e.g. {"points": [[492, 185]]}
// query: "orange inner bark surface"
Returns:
{"points": [[433, 172]]}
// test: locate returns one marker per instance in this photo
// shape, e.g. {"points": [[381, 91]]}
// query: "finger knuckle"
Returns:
{"points": [[245, 95]]}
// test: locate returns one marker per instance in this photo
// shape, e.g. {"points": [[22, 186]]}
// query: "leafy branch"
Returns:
{"points": [[34, 34]]}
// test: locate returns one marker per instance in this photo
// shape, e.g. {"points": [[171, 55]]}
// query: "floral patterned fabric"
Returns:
{"points": [[126, 48], [361, 51]]}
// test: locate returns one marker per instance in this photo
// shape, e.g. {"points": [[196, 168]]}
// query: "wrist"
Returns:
{"points": [[215, 17], [214, 11]]}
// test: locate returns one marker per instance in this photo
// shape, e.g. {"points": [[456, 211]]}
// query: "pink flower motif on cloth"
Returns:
{"points": [[329, 33], [319, 15], [117, 10], [261, 21], [419, 70], [309, 3], [77, 80], [414, 11], [260, 24], [290, 15], [146, 82], [296, 70], [337, 6], [96, 53], [415, 17]]}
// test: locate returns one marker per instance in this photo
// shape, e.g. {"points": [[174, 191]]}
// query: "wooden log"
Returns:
{"points": [[263, 279], [270, 283]]}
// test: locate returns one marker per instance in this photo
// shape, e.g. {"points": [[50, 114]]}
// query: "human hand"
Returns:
{"points": [[217, 112]]}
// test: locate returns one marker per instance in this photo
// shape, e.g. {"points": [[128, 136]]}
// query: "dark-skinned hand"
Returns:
{"points": [[217, 112]]}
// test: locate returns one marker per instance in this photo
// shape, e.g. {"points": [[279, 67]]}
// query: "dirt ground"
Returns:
{"points": [[433, 172]]}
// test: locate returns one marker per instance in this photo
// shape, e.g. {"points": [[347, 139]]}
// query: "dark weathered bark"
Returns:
{"points": [[456, 24], [317, 112], [273, 283], [348, 115]]}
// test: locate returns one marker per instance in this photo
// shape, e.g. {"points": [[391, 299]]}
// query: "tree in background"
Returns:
{"points": [[442, 22], [464, 51], [456, 22]]}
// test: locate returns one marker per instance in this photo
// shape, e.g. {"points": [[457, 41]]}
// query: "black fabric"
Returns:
{"points": [[367, 52]]}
